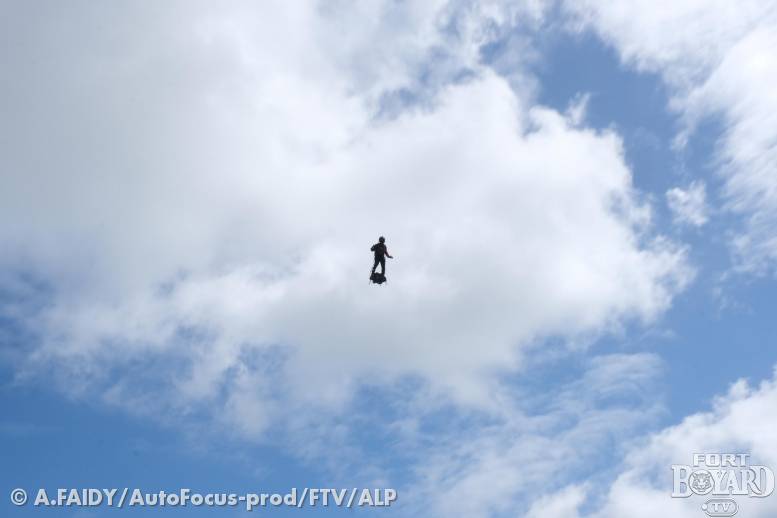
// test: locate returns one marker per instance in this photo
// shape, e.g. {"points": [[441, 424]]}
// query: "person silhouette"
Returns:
{"points": [[381, 252]]}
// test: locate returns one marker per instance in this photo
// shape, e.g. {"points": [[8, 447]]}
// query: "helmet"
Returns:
{"points": [[382, 239]]}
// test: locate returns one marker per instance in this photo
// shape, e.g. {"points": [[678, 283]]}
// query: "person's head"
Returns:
{"points": [[381, 239]]}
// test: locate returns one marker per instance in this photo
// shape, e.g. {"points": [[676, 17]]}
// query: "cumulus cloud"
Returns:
{"points": [[189, 209], [689, 206], [720, 62], [201, 196], [740, 422], [543, 443]]}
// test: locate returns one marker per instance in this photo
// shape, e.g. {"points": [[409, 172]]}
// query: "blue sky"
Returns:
{"points": [[716, 345], [578, 197]]}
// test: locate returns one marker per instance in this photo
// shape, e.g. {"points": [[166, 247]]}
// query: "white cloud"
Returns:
{"points": [[563, 504], [578, 108], [742, 421], [499, 240], [200, 197], [541, 443], [719, 59], [666, 36], [689, 206]]}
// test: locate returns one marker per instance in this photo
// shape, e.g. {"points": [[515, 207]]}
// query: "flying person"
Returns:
{"points": [[381, 252]]}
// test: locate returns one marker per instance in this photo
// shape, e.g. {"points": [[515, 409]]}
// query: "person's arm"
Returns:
{"points": [[388, 254]]}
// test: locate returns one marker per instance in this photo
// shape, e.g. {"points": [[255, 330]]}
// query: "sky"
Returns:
{"points": [[581, 202]]}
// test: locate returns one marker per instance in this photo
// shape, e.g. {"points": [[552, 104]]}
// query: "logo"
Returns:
{"points": [[722, 476]]}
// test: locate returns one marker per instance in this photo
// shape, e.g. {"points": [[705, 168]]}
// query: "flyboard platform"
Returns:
{"points": [[377, 278]]}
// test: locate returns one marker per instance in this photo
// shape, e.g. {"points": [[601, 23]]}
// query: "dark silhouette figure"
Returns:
{"points": [[381, 252]]}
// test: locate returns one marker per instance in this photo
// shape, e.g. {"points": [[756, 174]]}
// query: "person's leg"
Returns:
{"points": [[383, 266], [374, 266]]}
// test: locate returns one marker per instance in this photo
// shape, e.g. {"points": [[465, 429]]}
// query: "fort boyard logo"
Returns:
{"points": [[721, 477]]}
